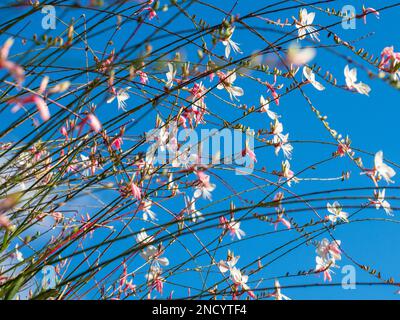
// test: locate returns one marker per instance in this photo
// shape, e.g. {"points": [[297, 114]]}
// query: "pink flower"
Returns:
{"points": [[344, 147], [198, 90], [103, 66], [287, 173], [64, 132], [154, 279], [58, 216], [389, 60]]}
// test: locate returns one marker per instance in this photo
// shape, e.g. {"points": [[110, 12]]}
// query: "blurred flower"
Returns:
{"points": [[304, 25], [277, 294], [191, 209]]}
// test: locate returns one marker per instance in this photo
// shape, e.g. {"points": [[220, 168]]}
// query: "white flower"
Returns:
{"points": [[337, 213], [170, 76], [122, 95], [304, 26], [226, 82], [310, 76], [228, 43], [383, 169], [160, 136], [276, 129], [265, 108], [204, 187], [351, 78]]}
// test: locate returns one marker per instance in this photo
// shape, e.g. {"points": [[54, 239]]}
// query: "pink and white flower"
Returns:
{"points": [[324, 266], [145, 206], [191, 209], [351, 81], [336, 212], [367, 11]]}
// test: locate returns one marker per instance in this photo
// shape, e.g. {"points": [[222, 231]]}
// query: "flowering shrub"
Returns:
{"points": [[145, 147]]}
